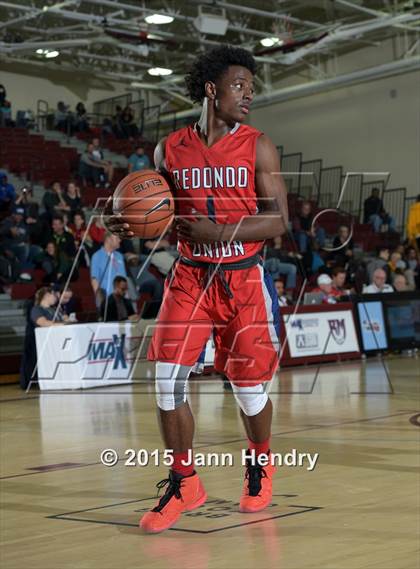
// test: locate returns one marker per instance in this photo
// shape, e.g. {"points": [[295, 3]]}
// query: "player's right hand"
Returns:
{"points": [[115, 223]]}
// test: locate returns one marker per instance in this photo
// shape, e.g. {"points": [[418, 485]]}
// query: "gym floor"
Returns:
{"points": [[358, 508]]}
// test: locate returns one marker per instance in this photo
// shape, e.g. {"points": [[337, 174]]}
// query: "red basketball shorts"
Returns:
{"points": [[245, 327]]}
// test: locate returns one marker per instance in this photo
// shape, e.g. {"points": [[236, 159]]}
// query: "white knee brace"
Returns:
{"points": [[171, 385], [251, 400]]}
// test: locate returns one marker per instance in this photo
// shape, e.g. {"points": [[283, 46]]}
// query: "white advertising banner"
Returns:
{"points": [[320, 333], [80, 356]]}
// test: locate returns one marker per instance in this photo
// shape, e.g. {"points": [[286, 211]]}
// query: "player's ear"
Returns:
{"points": [[210, 90]]}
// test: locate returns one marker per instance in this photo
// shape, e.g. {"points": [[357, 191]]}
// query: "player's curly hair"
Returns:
{"points": [[211, 65]]}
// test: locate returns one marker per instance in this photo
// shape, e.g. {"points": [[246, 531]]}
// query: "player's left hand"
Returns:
{"points": [[200, 230]]}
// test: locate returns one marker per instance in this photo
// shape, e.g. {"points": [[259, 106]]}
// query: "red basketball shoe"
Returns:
{"points": [[184, 493], [258, 488]]}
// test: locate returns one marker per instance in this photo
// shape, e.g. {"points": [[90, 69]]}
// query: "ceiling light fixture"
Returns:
{"points": [[159, 71], [159, 19], [51, 54], [269, 42]]}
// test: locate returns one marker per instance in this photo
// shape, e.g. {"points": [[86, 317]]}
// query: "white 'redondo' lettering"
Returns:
{"points": [[219, 249], [211, 178]]}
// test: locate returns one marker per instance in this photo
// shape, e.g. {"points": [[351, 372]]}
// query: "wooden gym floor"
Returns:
{"points": [[358, 508]]}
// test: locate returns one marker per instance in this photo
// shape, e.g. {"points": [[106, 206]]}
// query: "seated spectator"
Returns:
{"points": [[65, 249], [15, 239], [339, 276], [413, 265], [379, 262], [67, 304], [53, 201], [413, 224], [25, 199], [81, 120], [325, 287], [43, 314], [378, 284], [283, 299], [127, 125], [375, 214], [3, 94], [92, 169], [399, 282], [49, 264], [116, 307], [343, 247], [313, 259], [279, 262], [138, 160], [396, 263], [72, 198], [106, 264], [81, 236], [63, 118], [7, 194], [303, 230], [97, 233], [6, 114], [98, 156]]}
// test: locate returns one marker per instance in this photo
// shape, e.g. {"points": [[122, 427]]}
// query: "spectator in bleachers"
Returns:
{"points": [[81, 118], [3, 94], [283, 298], [97, 233], [379, 262], [65, 249], [49, 264], [90, 168], [72, 198], [67, 303], [413, 224], [279, 262], [117, 307], [63, 118], [98, 156], [127, 124], [6, 114], [303, 231], [15, 239], [138, 160], [325, 287], [413, 265], [339, 276], [378, 283], [343, 247], [116, 123], [106, 264], [81, 236], [399, 282], [53, 201], [7, 194], [313, 259], [375, 214], [396, 263]]}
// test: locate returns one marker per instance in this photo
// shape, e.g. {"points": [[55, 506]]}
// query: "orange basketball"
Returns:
{"points": [[145, 201]]}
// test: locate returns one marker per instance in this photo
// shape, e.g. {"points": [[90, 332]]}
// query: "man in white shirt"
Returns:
{"points": [[378, 284]]}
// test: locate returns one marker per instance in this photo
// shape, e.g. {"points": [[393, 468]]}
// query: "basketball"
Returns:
{"points": [[145, 201]]}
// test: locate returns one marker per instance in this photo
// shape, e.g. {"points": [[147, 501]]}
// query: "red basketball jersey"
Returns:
{"points": [[216, 181]]}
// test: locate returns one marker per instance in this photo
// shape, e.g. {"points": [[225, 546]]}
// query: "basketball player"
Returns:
{"points": [[230, 198]]}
